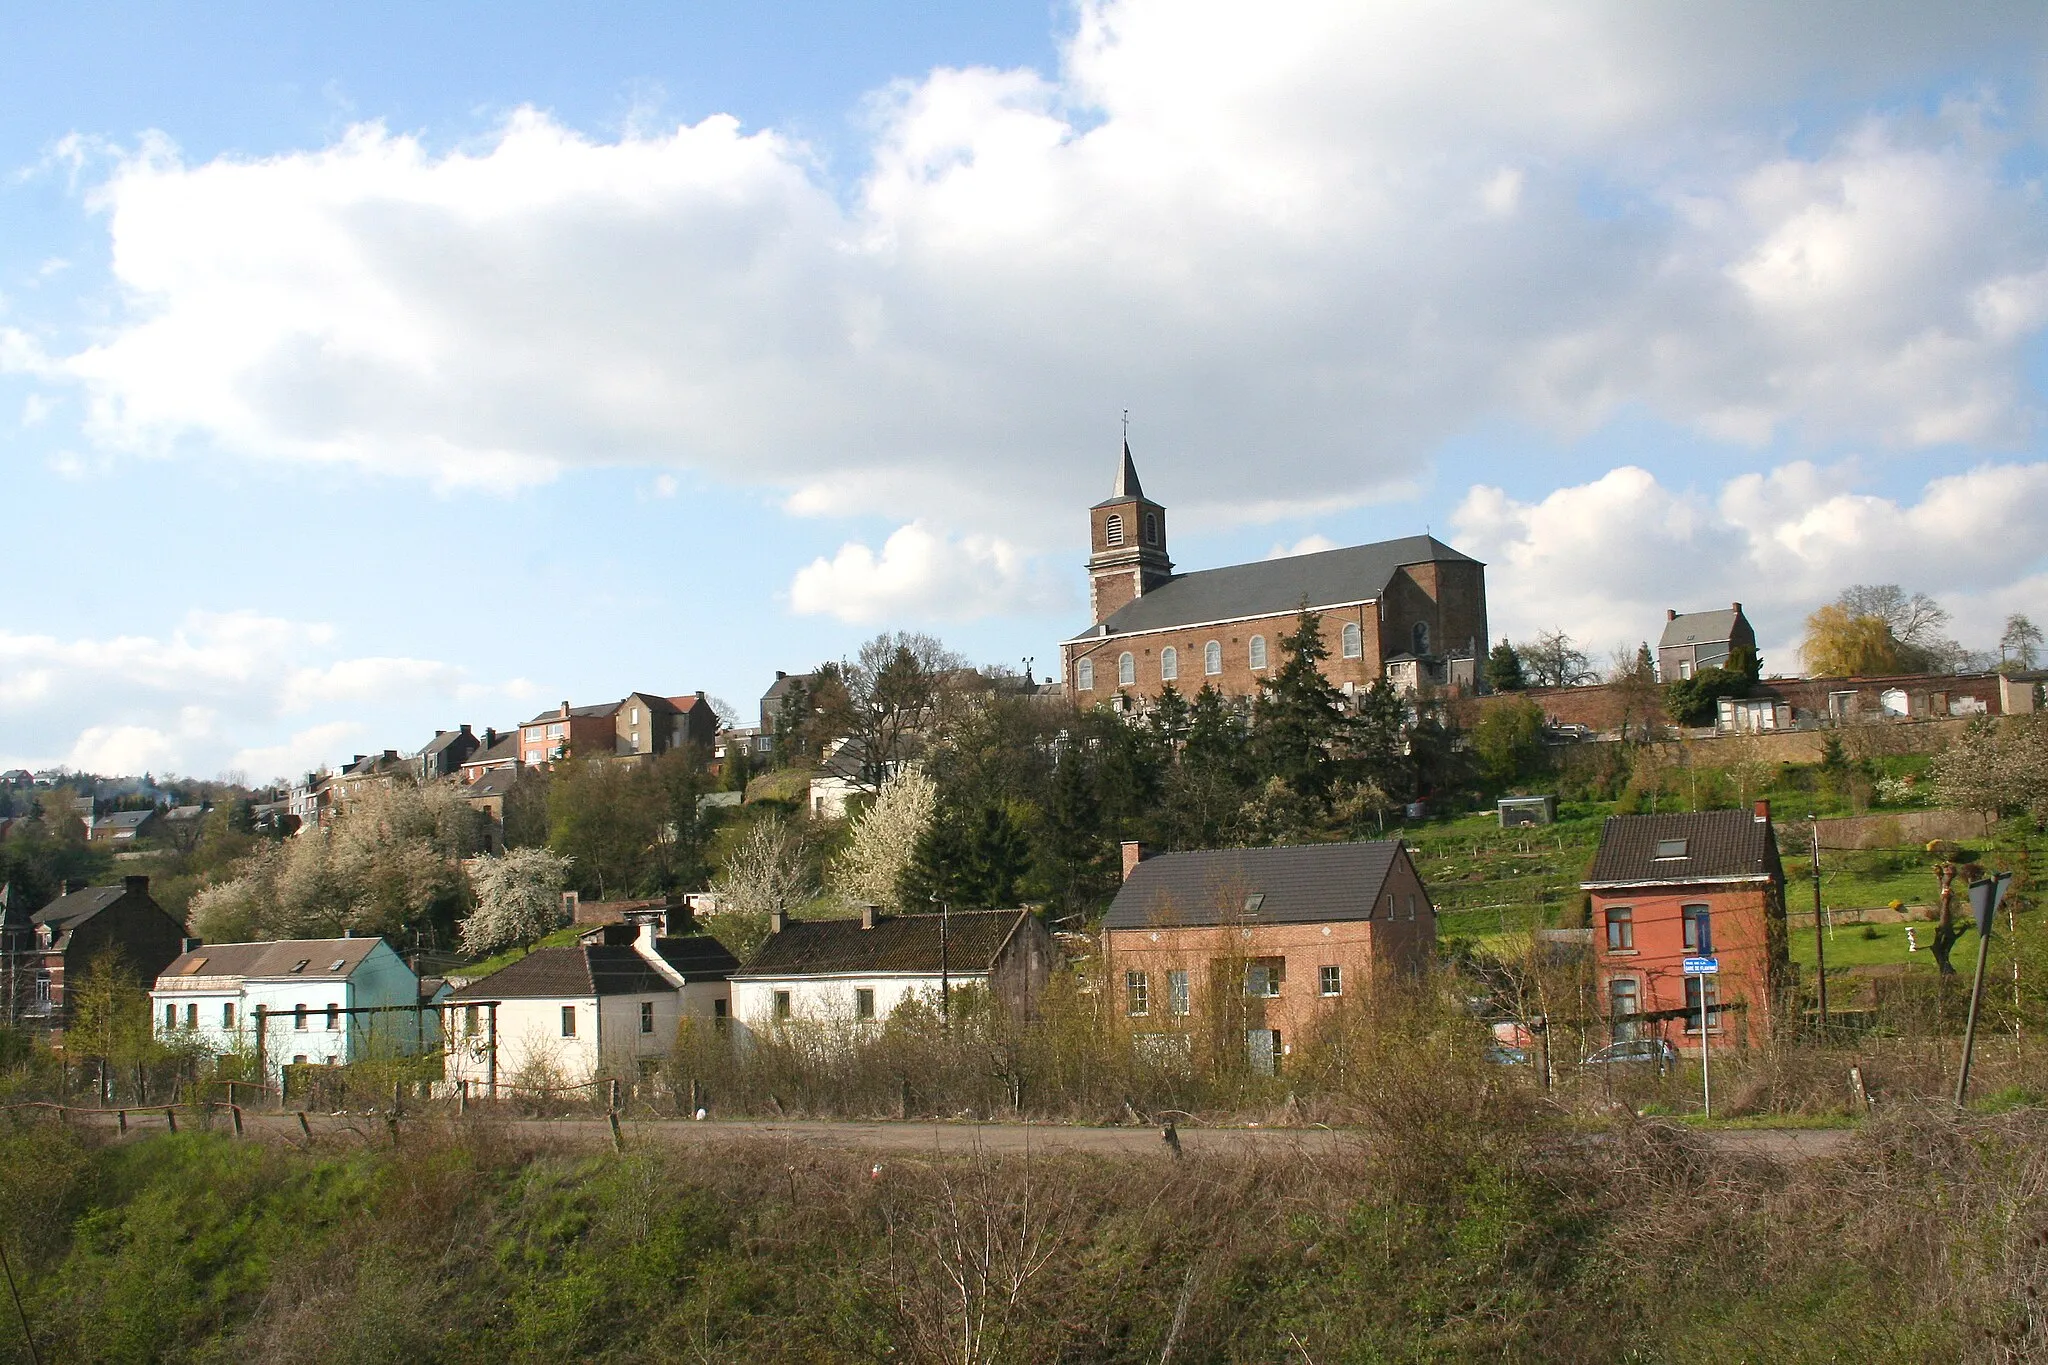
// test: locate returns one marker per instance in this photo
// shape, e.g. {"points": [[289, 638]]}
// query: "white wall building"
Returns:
{"points": [[607, 1006], [854, 971], [216, 994]]}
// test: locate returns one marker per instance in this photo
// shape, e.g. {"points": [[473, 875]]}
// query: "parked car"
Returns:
{"points": [[1636, 1052]]}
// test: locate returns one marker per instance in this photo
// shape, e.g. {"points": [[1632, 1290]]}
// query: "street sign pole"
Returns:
{"points": [[1706, 1073], [1985, 896]]}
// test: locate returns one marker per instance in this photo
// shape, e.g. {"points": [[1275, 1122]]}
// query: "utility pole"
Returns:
{"points": [[1820, 948], [1984, 898], [945, 965]]}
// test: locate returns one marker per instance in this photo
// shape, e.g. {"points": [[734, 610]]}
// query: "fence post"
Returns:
{"points": [[171, 1117], [235, 1111], [462, 1097], [612, 1089], [304, 1127], [121, 1117]]}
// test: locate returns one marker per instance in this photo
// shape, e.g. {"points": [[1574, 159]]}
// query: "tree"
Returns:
{"points": [[770, 871], [1073, 854], [2020, 646], [887, 702], [1840, 644], [884, 839], [1504, 669], [938, 869], [1877, 628], [1998, 766], [1509, 742], [603, 819], [793, 725], [526, 808], [109, 1013], [1299, 717], [1552, 659], [679, 780], [1696, 700], [518, 900], [998, 855]]}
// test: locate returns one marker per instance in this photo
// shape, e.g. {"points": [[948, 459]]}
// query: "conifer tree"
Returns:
{"points": [[1300, 717]]}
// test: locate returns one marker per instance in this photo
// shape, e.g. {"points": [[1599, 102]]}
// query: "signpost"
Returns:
{"points": [[1985, 896], [1702, 967]]}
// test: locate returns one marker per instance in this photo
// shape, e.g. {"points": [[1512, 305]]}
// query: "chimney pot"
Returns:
{"points": [[1134, 853], [136, 885], [348, 933], [1737, 606], [1763, 812], [780, 675], [1671, 613], [776, 919]]}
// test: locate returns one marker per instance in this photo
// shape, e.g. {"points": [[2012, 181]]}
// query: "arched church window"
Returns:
{"points": [[1126, 670], [1421, 638], [1084, 675], [1113, 529], [1169, 664], [1258, 651], [1354, 640], [1212, 658], [1151, 528]]}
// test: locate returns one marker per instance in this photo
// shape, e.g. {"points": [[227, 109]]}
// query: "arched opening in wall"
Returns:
{"points": [[1113, 529], [1354, 640], [1420, 637], [1084, 675], [1258, 651], [1169, 664], [1126, 669], [1212, 658], [1151, 528]]}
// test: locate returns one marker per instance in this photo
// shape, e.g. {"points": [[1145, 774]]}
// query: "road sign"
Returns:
{"points": [[1702, 966]]}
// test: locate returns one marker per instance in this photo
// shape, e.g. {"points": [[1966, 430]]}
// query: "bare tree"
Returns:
{"points": [[2020, 645], [887, 702], [1553, 659]]}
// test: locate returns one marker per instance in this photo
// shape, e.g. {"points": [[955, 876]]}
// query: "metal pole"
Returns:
{"points": [[492, 1068], [945, 966], [1820, 951], [1706, 1079], [1970, 1029], [19, 1312]]}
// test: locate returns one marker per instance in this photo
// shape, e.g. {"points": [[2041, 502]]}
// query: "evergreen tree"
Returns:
{"points": [[938, 866], [1299, 718], [1170, 716], [1074, 857], [998, 855], [1504, 669]]}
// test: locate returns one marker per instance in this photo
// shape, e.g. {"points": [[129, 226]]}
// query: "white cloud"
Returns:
{"points": [[305, 751], [1604, 560], [1307, 545], [923, 575], [1305, 248]]}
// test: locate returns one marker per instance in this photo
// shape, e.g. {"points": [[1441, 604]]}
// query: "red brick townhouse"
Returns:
{"points": [[1267, 939], [1655, 878], [1413, 610]]}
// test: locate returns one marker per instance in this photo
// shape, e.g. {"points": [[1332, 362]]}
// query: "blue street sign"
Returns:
{"points": [[1702, 966]]}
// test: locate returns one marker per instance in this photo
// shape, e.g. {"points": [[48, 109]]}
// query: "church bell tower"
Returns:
{"points": [[1126, 543]]}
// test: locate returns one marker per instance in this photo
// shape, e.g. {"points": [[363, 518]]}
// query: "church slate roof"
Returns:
{"points": [[1127, 485], [1357, 573], [1294, 884]]}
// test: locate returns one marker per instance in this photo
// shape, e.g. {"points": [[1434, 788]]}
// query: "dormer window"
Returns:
{"points": [[1113, 529], [1670, 848]]}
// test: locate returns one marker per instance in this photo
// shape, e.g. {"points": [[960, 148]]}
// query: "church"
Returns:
{"points": [[1412, 610]]}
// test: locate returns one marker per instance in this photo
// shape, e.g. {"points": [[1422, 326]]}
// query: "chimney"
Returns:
{"points": [[348, 933], [650, 930], [465, 729], [1763, 812], [1671, 613], [186, 945], [490, 736], [137, 886], [359, 759], [390, 755], [780, 675], [1737, 606], [439, 733], [1134, 853], [700, 694], [776, 919], [73, 885], [565, 710], [867, 917]]}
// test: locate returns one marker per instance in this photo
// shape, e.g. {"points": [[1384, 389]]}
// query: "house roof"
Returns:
{"points": [[1356, 574], [601, 709], [69, 911], [698, 957], [1298, 884], [125, 819], [897, 943], [1692, 627], [1697, 846], [442, 739], [328, 959], [505, 750], [780, 687], [579, 971], [495, 782]]}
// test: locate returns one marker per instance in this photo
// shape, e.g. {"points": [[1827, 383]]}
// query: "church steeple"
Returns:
{"points": [[1127, 543]]}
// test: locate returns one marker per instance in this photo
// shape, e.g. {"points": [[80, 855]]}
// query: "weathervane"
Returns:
{"points": [[1127, 426]]}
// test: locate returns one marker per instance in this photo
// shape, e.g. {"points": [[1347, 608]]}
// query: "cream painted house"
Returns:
{"points": [[606, 1006]]}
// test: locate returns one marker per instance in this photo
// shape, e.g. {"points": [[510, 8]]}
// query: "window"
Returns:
{"points": [[633, 716], [1411, 905], [170, 1016], [227, 1015], [1151, 528], [299, 1018], [568, 1021], [42, 990], [1169, 664], [1621, 928], [1084, 674], [1254, 902], [334, 1018], [1126, 669], [536, 756], [1418, 636], [1263, 976], [1670, 848], [864, 1003], [647, 1016], [1212, 658], [782, 1004], [303, 963], [1690, 916], [192, 1015], [469, 1019], [556, 731], [1685, 668], [1113, 529], [1354, 640], [1692, 1003], [1137, 994], [1258, 651], [1624, 1002], [1177, 992], [1332, 981]]}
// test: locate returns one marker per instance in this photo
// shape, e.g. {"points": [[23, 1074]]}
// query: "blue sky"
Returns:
{"points": [[367, 371]]}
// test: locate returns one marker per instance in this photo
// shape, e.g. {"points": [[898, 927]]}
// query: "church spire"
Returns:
{"points": [[1127, 477]]}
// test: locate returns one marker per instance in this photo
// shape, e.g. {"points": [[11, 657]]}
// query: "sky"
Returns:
{"points": [[369, 370]]}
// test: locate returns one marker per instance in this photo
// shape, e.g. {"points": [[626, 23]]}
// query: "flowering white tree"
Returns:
{"points": [[770, 871], [518, 899], [870, 871]]}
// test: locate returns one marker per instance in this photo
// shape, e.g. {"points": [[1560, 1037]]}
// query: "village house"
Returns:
{"points": [[292, 1002], [607, 1005], [120, 827], [857, 971], [498, 752], [1695, 640], [86, 926], [1412, 610], [1270, 940], [1655, 880], [444, 754]]}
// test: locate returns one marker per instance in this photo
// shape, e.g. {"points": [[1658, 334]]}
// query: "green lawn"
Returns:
{"points": [[565, 935], [1848, 947]]}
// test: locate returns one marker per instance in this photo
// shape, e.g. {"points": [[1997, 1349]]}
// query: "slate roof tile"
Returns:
{"points": [[1299, 884]]}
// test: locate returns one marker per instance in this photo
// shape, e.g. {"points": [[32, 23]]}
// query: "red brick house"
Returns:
{"points": [[1652, 881], [1267, 939], [86, 922], [1413, 610]]}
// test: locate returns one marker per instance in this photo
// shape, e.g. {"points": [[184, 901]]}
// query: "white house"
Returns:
{"points": [[608, 1005], [862, 969], [300, 989]]}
